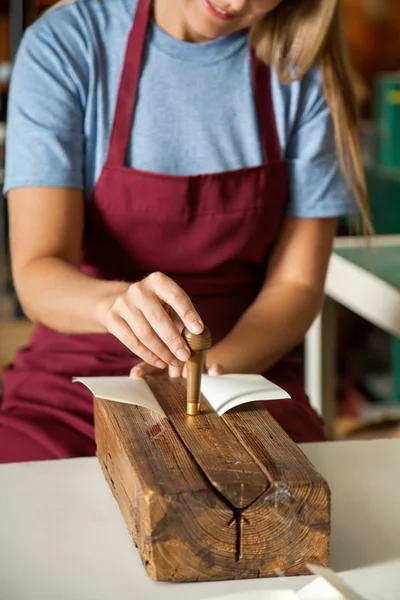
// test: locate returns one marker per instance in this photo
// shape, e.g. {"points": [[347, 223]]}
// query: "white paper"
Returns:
{"points": [[223, 392], [320, 589], [377, 582], [127, 390], [327, 586], [260, 595]]}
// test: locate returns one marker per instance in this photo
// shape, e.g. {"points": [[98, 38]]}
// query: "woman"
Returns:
{"points": [[160, 174]]}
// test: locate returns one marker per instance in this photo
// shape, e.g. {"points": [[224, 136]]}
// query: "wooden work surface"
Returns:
{"points": [[208, 497]]}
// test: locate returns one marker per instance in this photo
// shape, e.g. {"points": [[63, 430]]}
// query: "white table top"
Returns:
{"points": [[367, 291], [62, 536]]}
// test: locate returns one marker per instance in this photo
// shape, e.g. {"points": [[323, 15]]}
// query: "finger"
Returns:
{"points": [[146, 333], [143, 369], [175, 372], [177, 321], [160, 323], [215, 370], [121, 330], [171, 293]]}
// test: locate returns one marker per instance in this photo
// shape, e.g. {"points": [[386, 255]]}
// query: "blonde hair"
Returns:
{"points": [[299, 34]]}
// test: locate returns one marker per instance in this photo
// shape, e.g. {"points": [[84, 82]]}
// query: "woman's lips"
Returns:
{"points": [[218, 12]]}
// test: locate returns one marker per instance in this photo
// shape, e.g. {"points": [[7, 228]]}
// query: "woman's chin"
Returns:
{"points": [[203, 26]]}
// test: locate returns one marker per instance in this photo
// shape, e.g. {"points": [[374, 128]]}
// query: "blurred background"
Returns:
{"points": [[366, 385]]}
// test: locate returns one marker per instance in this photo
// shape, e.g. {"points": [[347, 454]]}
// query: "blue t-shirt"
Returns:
{"points": [[195, 111]]}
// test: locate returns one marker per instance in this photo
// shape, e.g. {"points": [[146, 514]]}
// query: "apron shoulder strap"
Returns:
{"points": [[265, 110], [129, 85]]}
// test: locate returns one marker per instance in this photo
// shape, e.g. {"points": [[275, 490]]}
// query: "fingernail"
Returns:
{"points": [[175, 363], [197, 327], [214, 370], [160, 364], [183, 355]]}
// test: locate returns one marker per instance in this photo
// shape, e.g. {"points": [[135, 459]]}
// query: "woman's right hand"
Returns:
{"points": [[149, 317]]}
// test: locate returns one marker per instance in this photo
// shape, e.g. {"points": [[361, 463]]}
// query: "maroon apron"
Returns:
{"points": [[211, 233]]}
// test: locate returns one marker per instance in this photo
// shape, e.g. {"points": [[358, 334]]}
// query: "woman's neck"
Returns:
{"points": [[169, 15]]}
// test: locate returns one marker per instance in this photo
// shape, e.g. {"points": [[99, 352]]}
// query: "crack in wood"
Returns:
{"points": [[237, 513]]}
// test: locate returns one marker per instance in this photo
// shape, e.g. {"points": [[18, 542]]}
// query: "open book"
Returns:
{"points": [[223, 392]]}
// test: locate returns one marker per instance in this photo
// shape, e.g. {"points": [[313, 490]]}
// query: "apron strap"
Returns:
{"points": [[129, 85], [271, 147]]}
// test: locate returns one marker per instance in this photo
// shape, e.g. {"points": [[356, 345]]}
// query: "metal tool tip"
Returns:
{"points": [[193, 409]]}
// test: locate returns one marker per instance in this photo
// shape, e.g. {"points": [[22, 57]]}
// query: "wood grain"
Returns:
{"points": [[209, 498], [180, 526], [221, 457], [295, 510]]}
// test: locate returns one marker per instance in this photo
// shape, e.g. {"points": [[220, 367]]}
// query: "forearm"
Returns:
{"points": [[56, 294], [275, 323]]}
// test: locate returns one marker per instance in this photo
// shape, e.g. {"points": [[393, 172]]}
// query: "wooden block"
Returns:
{"points": [[209, 498]]}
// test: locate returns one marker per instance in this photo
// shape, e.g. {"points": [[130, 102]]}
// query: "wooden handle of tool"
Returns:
{"points": [[199, 345]]}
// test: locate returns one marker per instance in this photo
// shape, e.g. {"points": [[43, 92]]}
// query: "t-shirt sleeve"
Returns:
{"points": [[45, 141], [318, 187]]}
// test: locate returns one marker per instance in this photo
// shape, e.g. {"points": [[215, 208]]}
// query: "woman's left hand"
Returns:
{"points": [[143, 369]]}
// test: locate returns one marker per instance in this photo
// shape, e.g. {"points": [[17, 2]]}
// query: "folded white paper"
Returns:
{"points": [[122, 389], [223, 392], [227, 391]]}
